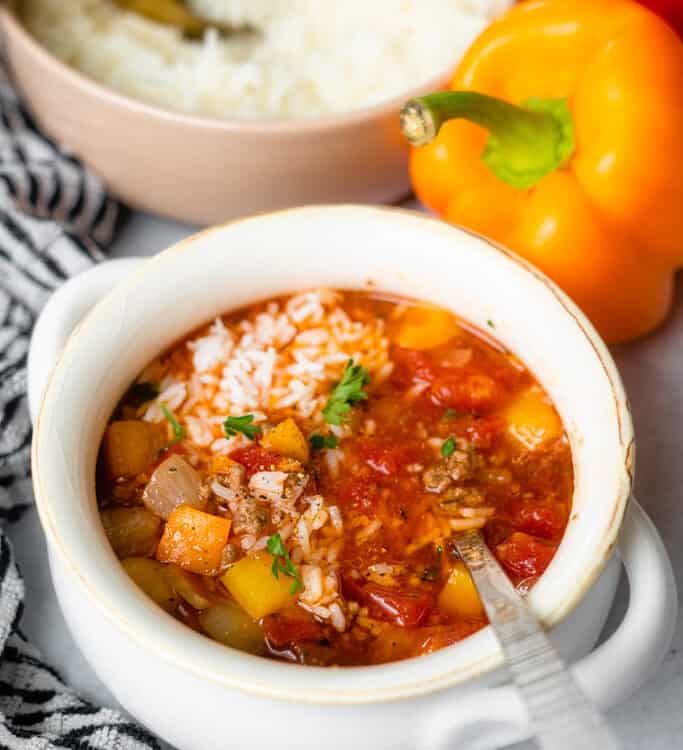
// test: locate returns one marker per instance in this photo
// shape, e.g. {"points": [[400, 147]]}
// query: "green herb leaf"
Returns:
{"points": [[490, 323], [448, 447], [282, 563], [318, 442], [244, 424], [347, 392], [178, 431], [448, 415], [139, 393]]}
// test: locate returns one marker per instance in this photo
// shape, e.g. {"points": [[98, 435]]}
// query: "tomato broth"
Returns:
{"points": [[288, 479]]}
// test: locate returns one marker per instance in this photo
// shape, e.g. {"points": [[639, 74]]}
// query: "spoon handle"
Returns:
{"points": [[562, 716]]}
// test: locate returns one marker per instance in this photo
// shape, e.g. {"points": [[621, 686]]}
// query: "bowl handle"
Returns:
{"points": [[494, 717], [634, 652], [61, 314]]}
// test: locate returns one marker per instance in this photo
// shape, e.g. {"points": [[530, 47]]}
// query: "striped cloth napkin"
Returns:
{"points": [[55, 220]]}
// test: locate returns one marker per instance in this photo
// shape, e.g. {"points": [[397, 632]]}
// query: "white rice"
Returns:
{"points": [[335, 517], [284, 360], [312, 57], [268, 484], [465, 524], [370, 530], [255, 366]]}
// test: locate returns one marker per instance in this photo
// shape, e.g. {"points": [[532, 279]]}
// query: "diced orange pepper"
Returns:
{"points": [[194, 540], [426, 327], [582, 177], [531, 418]]}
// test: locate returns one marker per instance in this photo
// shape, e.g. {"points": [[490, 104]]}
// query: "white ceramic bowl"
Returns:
{"points": [[177, 681]]}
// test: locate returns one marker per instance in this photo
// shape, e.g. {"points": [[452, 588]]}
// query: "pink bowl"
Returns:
{"points": [[203, 171]]}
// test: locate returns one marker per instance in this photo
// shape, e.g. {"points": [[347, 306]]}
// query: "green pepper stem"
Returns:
{"points": [[526, 142]]}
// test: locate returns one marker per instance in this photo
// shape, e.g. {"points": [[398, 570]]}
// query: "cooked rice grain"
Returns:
{"points": [[311, 58]]}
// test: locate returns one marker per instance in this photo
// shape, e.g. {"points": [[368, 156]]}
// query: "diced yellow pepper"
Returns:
{"points": [[287, 439], [130, 446], [194, 540], [531, 418], [459, 596], [426, 327], [255, 588]]}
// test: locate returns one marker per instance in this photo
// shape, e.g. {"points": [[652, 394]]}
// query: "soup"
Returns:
{"points": [[287, 480]]}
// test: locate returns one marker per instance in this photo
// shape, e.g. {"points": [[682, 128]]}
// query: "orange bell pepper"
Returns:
{"points": [[563, 139]]}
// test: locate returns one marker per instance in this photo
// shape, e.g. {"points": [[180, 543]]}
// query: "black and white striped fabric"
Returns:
{"points": [[55, 219]]}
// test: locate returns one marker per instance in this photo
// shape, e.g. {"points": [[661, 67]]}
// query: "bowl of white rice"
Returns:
{"points": [[306, 110]]}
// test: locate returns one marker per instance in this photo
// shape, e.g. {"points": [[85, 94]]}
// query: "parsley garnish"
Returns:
{"points": [[318, 442], [282, 563], [178, 432], [233, 425], [490, 323], [347, 392], [448, 415], [448, 447]]}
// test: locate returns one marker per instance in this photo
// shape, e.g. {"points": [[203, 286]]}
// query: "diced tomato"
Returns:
{"points": [[482, 432], [282, 630], [439, 636], [546, 468], [384, 457], [254, 458], [466, 391], [359, 494], [383, 461], [497, 531], [543, 519], [508, 377], [381, 458], [352, 584], [407, 608], [524, 555], [411, 366]]}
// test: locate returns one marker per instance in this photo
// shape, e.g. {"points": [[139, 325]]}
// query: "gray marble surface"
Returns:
{"points": [[653, 372]]}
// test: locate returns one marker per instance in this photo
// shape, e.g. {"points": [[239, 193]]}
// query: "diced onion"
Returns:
{"points": [[173, 483], [228, 623], [151, 577], [131, 531]]}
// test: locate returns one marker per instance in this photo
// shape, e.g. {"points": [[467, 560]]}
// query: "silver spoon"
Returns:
{"points": [[562, 716], [176, 13]]}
